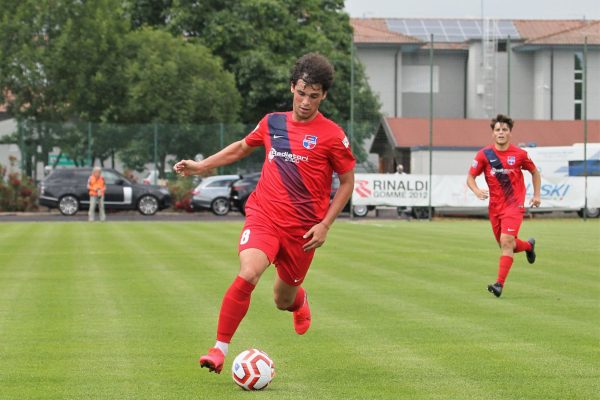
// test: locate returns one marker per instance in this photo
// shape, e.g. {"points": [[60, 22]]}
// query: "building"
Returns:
{"points": [[529, 69], [455, 141]]}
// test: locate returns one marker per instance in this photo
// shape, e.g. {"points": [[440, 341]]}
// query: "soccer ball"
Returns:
{"points": [[253, 369]]}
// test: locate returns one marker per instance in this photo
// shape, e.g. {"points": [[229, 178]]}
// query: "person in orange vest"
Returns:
{"points": [[96, 188]]}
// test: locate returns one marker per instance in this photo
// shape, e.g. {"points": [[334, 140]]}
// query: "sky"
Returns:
{"points": [[501, 9]]}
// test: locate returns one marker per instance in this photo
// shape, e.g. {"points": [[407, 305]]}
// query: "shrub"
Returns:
{"points": [[181, 193], [17, 192]]}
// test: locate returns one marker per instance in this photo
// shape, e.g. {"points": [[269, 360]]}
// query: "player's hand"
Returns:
{"points": [[482, 194], [317, 235], [186, 168], [535, 202]]}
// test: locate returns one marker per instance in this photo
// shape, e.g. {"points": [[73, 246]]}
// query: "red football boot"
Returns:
{"points": [[302, 318], [213, 360]]}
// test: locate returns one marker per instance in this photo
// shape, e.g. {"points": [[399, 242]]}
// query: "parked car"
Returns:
{"points": [[213, 193], [66, 189], [242, 189]]}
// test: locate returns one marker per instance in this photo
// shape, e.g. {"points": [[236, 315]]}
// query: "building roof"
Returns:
{"points": [[531, 32], [476, 133], [375, 30], [535, 28], [573, 35]]}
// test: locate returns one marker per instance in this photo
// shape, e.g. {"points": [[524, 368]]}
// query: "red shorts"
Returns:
{"points": [[282, 246], [506, 221]]}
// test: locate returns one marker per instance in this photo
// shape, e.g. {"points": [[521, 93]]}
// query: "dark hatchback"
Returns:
{"points": [[66, 189], [242, 189]]}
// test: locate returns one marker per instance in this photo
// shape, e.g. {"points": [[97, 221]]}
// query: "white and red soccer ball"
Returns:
{"points": [[253, 369]]}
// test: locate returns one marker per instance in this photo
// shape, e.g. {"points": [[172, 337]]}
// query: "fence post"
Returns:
{"points": [[22, 148], [585, 128], [430, 214], [508, 51], [351, 127], [156, 153], [221, 142], [89, 149]]}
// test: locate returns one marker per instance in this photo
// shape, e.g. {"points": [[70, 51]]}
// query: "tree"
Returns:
{"points": [[173, 84], [60, 61], [259, 40]]}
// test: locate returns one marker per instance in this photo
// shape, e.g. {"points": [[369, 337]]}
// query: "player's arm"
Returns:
{"points": [[230, 154], [318, 233], [481, 194], [536, 178]]}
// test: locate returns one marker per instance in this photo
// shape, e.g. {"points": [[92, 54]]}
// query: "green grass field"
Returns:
{"points": [[400, 311]]}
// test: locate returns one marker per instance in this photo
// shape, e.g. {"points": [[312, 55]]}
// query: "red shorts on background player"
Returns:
{"points": [[289, 214], [502, 164]]}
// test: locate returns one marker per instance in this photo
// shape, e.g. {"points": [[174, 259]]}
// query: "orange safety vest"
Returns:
{"points": [[95, 185]]}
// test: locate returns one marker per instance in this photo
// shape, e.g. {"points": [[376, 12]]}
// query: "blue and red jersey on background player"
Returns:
{"points": [[504, 176], [503, 173], [295, 182]]}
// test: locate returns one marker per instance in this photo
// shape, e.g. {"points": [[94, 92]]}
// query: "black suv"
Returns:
{"points": [[242, 189], [66, 189]]}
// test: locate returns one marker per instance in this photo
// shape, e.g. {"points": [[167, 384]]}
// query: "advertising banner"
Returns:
{"points": [[451, 191]]}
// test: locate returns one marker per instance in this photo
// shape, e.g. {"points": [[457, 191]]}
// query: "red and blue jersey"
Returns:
{"points": [[295, 182], [503, 174]]}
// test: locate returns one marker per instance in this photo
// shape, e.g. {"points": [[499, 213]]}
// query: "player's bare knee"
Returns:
{"points": [[507, 243], [250, 276]]}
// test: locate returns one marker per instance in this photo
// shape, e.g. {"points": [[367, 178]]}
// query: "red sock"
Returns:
{"points": [[521, 245], [504, 267], [233, 309], [298, 301]]}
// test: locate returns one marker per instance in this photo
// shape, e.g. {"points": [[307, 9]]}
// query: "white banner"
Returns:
{"points": [[452, 191]]}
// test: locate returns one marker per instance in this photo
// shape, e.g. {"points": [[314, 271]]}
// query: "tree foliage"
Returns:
{"points": [[259, 40], [66, 61], [170, 80], [59, 62], [66, 64], [173, 84]]}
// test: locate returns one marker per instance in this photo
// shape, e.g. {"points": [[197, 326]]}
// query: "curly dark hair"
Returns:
{"points": [[503, 119], [313, 68]]}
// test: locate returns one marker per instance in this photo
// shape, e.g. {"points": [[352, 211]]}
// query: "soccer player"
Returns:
{"points": [[501, 164], [289, 214]]}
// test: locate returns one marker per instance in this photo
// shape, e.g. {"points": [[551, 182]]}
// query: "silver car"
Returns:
{"points": [[213, 193]]}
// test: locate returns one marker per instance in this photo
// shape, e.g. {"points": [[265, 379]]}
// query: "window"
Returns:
{"points": [[501, 46], [221, 183], [111, 178], [578, 85]]}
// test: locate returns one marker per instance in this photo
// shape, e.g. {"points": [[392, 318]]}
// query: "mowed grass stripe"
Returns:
{"points": [[360, 290], [479, 253], [432, 274], [399, 312], [453, 318], [439, 270], [99, 340], [158, 311], [33, 361], [150, 314]]}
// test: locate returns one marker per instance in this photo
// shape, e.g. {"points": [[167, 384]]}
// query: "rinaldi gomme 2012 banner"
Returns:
{"points": [[452, 191]]}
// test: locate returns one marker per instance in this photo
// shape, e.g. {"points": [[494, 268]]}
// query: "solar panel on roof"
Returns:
{"points": [[449, 30]]}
